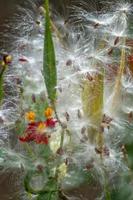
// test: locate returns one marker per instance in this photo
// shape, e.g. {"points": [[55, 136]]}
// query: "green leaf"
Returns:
{"points": [[107, 193], [44, 151], [1, 85], [129, 149], [49, 61], [48, 196]]}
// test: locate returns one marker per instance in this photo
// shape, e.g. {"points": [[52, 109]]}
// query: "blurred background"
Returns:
{"points": [[12, 12]]}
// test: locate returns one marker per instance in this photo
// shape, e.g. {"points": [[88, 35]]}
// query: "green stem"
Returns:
{"points": [[107, 193], [62, 138], [29, 196], [106, 189], [1, 85], [62, 126]]}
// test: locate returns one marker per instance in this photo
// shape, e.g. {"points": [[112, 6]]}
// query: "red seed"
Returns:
{"points": [[23, 59]]}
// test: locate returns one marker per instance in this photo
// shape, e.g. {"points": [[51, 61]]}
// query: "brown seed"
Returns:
{"points": [[69, 62], [110, 51], [1, 120], [60, 151], [106, 151], [123, 149], [130, 116], [89, 166], [106, 119], [96, 25], [67, 161], [40, 168], [98, 150], [102, 127], [89, 77], [67, 116], [18, 81], [60, 89], [38, 22], [79, 114], [116, 41], [83, 130], [33, 98]]}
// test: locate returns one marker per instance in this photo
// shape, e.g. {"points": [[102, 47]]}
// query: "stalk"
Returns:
{"points": [[117, 87], [29, 196], [106, 188], [62, 137]]}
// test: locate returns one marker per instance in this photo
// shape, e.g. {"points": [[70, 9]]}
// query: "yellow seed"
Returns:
{"points": [[3, 64], [8, 58]]}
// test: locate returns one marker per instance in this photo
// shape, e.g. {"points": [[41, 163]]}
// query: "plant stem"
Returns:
{"points": [[106, 188], [62, 138], [117, 86], [63, 130], [29, 196], [1, 84]]}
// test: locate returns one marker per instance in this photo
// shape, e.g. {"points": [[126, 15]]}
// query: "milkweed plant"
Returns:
{"points": [[66, 97]]}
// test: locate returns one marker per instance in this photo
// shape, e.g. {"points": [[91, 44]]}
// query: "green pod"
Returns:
{"points": [[92, 102]]}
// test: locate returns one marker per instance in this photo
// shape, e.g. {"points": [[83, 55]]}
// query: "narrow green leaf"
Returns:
{"points": [[49, 61], [107, 194], [1, 86]]}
